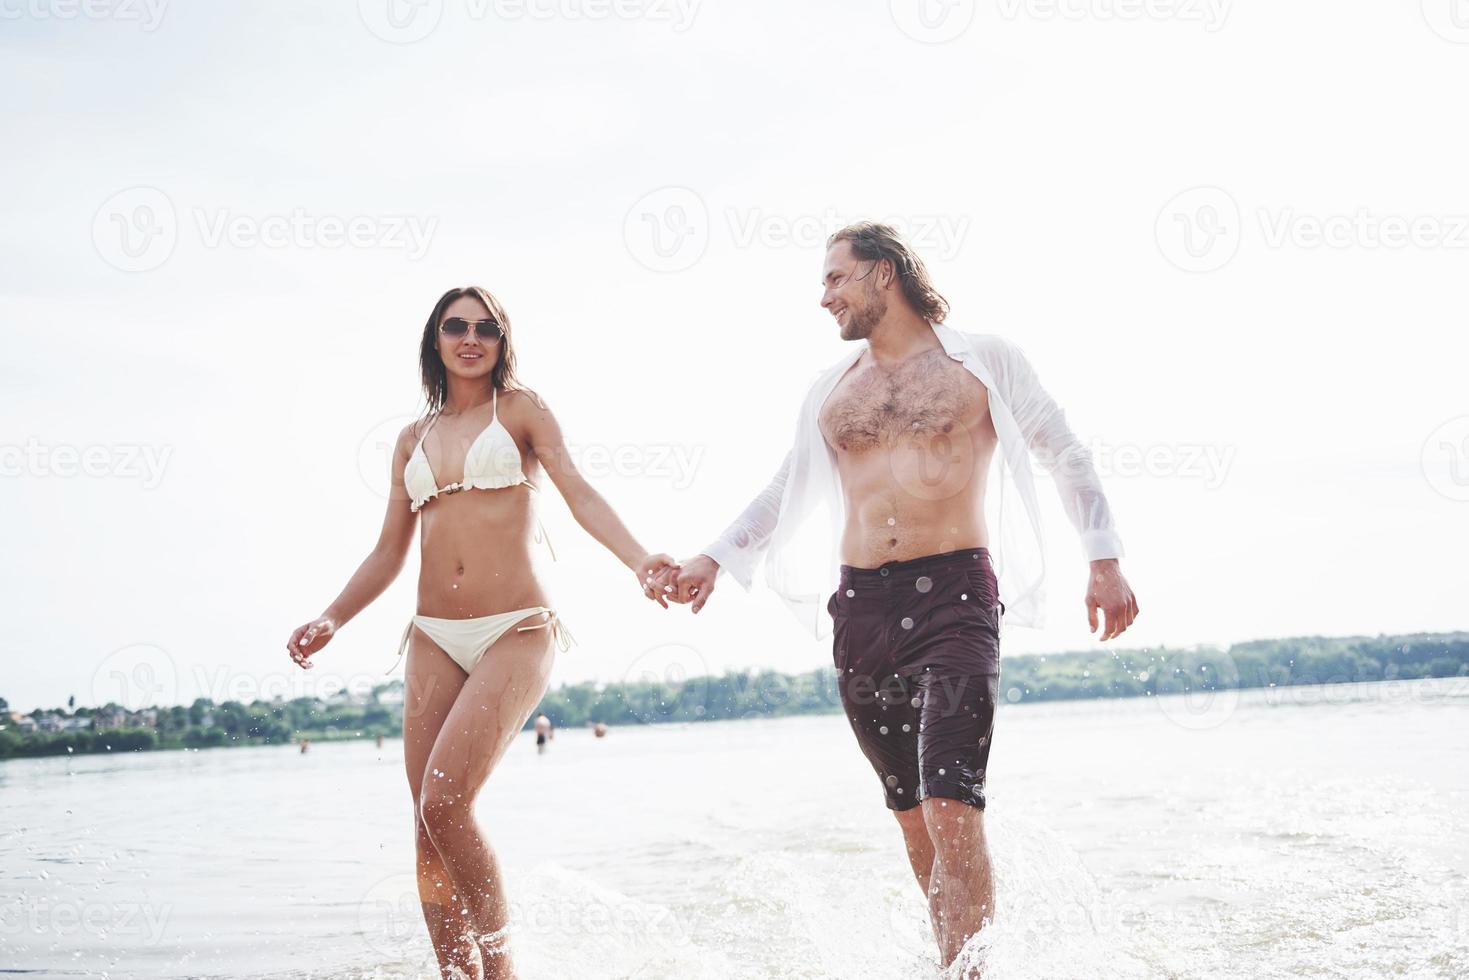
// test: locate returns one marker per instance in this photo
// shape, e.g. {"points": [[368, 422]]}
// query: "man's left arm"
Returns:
{"points": [[1043, 425]]}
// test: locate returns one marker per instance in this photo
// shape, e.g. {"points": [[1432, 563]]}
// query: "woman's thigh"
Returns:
{"points": [[491, 708], [432, 682]]}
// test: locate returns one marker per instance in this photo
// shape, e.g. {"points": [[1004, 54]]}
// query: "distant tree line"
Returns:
{"points": [[763, 694], [1049, 677], [202, 724]]}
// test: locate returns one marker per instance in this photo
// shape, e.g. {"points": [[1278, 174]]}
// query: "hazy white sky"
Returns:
{"points": [[1233, 239]]}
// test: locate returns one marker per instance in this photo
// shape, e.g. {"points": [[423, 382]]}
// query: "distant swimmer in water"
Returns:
{"points": [[893, 445], [481, 647], [544, 733]]}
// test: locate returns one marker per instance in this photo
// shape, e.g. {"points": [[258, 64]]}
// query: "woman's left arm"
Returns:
{"points": [[588, 506]]}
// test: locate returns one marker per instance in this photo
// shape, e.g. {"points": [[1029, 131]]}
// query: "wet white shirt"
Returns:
{"points": [[796, 522]]}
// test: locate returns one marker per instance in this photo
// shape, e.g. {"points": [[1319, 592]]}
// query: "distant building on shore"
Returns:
{"points": [[109, 718]]}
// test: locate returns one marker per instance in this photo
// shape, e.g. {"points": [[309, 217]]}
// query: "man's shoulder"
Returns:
{"points": [[985, 344]]}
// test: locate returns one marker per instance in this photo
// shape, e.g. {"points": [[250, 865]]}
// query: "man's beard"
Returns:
{"points": [[861, 323]]}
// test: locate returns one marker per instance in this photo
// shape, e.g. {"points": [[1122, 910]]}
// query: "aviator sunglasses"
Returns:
{"points": [[456, 326]]}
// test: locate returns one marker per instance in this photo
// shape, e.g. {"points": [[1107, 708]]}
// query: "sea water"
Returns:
{"points": [[1318, 831]]}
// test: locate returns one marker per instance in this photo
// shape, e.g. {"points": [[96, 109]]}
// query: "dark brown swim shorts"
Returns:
{"points": [[917, 652]]}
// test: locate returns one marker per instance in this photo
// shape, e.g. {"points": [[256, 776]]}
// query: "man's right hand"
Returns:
{"points": [[695, 581]]}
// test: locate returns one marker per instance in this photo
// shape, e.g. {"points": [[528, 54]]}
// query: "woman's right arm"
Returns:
{"points": [[375, 573]]}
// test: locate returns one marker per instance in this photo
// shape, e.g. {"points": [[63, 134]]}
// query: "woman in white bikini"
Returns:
{"points": [[481, 655]]}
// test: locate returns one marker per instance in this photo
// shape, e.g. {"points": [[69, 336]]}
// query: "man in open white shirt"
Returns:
{"points": [[883, 497]]}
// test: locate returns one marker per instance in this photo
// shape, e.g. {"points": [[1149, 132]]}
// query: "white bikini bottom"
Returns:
{"points": [[466, 640]]}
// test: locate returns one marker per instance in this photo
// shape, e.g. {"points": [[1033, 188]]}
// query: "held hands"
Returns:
{"points": [[1108, 591], [692, 581], [655, 574], [309, 639]]}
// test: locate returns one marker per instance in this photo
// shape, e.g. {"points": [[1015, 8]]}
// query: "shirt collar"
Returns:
{"points": [[953, 340]]}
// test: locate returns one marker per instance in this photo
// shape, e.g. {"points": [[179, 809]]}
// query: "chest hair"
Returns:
{"points": [[927, 395]]}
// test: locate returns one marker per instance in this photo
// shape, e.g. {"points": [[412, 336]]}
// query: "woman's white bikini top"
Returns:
{"points": [[493, 462]]}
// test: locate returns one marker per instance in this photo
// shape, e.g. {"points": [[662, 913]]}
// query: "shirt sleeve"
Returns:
{"points": [[1056, 448], [739, 548]]}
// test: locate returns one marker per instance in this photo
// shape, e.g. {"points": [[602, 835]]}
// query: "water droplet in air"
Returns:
{"points": [[907, 728], [892, 782], [892, 521], [851, 592], [883, 730], [916, 703], [965, 597], [923, 584], [907, 623]]}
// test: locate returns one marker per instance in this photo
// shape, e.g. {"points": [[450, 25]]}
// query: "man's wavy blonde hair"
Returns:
{"points": [[871, 240]]}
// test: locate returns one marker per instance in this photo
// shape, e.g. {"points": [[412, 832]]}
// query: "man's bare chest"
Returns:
{"points": [[925, 397]]}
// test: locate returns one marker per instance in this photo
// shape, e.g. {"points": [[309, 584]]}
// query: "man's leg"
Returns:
{"points": [[918, 843], [962, 888], [957, 723], [883, 711]]}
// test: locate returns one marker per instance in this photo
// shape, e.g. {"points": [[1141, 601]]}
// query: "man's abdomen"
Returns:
{"points": [[901, 506]]}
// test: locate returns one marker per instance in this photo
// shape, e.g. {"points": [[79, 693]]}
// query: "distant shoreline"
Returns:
{"points": [[1028, 679]]}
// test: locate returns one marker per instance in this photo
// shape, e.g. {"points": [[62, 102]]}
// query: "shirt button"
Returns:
{"points": [[884, 572]]}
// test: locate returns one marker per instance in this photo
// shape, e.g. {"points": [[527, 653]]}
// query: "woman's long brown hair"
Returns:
{"points": [[431, 365]]}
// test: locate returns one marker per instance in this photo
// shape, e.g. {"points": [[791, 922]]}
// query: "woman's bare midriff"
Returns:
{"points": [[475, 552]]}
